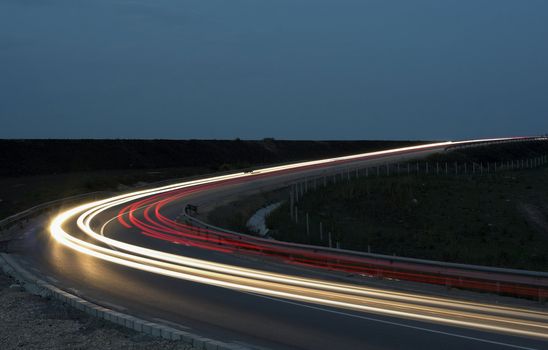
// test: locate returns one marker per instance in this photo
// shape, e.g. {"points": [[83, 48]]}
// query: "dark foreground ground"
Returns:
{"points": [[31, 322]]}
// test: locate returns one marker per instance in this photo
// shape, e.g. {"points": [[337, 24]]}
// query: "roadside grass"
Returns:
{"points": [[495, 220]]}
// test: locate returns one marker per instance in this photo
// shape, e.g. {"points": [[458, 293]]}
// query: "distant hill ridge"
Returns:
{"points": [[33, 157]]}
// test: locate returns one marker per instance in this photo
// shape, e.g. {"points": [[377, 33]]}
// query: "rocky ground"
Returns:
{"points": [[31, 322]]}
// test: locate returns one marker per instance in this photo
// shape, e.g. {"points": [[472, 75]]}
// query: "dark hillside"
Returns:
{"points": [[494, 153], [33, 157]]}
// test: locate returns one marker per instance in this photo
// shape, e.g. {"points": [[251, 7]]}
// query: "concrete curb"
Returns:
{"points": [[37, 286]]}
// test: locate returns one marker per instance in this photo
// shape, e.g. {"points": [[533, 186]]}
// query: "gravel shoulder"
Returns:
{"points": [[31, 322]]}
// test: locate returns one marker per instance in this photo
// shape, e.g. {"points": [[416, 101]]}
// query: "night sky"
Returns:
{"points": [[289, 69]]}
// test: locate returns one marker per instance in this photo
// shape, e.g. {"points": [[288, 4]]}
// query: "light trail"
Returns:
{"points": [[514, 321]]}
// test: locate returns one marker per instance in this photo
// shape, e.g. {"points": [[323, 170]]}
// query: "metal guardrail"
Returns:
{"points": [[533, 284], [11, 220], [435, 263]]}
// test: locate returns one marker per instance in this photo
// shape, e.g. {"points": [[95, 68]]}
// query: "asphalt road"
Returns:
{"points": [[233, 316]]}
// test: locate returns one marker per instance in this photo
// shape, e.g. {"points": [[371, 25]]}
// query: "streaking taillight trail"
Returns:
{"points": [[487, 317]]}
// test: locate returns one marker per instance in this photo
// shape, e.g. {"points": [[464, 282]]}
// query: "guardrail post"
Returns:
{"points": [[291, 203], [307, 225], [321, 231]]}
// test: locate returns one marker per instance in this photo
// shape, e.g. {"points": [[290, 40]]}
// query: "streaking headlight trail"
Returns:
{"points": [[508, 320]]}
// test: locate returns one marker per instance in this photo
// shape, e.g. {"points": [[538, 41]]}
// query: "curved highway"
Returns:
{"points": [[130, 253]]}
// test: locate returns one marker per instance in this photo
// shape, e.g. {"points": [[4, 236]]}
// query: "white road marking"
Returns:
{"points": [[396, 323], [169, 323]]}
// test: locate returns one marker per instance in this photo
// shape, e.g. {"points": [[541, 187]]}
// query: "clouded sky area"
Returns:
{"points": [[289, 69]]}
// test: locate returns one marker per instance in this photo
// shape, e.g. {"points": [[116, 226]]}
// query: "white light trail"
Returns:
{"points": [[486, 317]]}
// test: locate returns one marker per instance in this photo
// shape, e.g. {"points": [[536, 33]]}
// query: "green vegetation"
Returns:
{"points": [[497, 220]]}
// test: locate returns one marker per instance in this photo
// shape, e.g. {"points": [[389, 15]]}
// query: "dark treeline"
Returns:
{"points": [[33, 157]]}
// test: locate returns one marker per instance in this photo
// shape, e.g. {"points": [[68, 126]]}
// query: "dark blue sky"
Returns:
{"points": [[297, 69]]}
